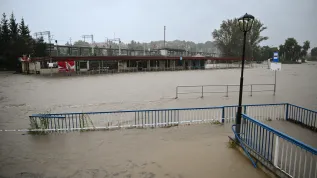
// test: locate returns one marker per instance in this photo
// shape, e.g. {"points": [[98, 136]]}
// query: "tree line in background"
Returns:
{"points": [[16, 41], [229, 40]]}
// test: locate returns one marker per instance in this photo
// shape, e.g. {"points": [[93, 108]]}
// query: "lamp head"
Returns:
{"points": [[246, 22]]}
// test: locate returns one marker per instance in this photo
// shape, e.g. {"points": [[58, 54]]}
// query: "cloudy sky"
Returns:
{"points": [[143, 20]]}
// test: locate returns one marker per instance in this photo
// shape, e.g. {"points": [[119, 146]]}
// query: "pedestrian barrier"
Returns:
{"points": [[151, 118], [287, 154], [206, 89], [259, 141], [303, 116]]}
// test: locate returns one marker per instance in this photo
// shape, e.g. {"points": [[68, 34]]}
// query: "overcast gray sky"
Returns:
{"points": [[143, 20]]}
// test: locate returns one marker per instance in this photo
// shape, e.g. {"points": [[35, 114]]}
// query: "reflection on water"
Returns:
{"points": [[79, 153]]}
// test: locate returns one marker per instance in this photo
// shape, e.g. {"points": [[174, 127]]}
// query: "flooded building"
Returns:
{"points": [[114, 61]]}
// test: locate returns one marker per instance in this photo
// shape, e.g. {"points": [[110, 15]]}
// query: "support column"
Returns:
{"points": [[148, 65], [189, 64]]}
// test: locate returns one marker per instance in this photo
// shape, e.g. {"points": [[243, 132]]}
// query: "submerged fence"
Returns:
{"points": [[287, 154], [206, 89], [153, 118], [171, 117]]}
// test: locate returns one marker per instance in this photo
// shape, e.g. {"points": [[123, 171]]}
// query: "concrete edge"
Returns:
{"points": [[261, 163]]}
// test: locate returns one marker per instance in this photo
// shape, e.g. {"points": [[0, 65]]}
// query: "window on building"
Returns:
{"points": [[45, 65], [83, 65], [179, 63], [132, 63], [167, 63], [154, 63]]}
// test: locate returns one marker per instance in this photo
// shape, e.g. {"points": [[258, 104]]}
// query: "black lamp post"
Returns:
{"points": [[245, 24]]}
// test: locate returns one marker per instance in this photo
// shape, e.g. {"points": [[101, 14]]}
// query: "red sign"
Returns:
{"points": [[24, 58], [66, 66]]}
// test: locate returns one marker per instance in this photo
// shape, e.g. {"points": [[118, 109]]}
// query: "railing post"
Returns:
{"points": [[251, 90], [275, 84], [176, 92], [276, 151], [245, 109], [223, 115], [286, 111], [202, 91]]}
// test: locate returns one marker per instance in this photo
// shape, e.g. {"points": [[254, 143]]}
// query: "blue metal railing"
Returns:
{"points": [[170, 117], [303, 116], [291, 156], [154, 117], [129, 118]]}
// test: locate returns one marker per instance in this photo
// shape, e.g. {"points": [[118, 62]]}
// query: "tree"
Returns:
{"points": [[229, 38], [305, 49], [13, 26], [25, 39], [313, 53], [15, 41], [81, 43], [292, 51], [40, 48], [4, 41], [5, 34], [265, 52]]}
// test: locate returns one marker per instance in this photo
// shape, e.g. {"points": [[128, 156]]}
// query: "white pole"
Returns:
{"points": [[275, 82], [276, 151]]}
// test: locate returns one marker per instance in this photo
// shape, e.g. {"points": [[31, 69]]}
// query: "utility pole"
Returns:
{"points": [[92, 41], [164, 35], [48, 33], [116, 39]]}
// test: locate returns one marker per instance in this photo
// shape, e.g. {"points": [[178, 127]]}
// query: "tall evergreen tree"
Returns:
{"points": [[13, 26], [40, 48], [5, 36], [27, 43], [24, 29]]}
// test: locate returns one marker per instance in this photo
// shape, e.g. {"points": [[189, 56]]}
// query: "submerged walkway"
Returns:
{"points": [[179, 152], [296, 131]]}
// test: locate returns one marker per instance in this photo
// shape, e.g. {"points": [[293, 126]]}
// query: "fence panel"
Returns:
{"points": [[201, 90], [291, 156], [257, 111], [154, 118], [302, 116], [126, 119]]}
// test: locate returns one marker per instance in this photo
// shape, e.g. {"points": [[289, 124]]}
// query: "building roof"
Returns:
{"points": [[173, 49]]}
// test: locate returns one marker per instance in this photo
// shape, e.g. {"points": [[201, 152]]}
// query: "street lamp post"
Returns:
{"points": [[245, 24]]}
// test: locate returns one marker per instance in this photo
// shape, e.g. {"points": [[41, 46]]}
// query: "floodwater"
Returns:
{"points": [[194, 151]]}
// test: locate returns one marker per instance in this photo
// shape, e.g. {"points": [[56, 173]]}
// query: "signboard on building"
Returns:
{"points": [[24, 58], [51, 65], [66, 66]]}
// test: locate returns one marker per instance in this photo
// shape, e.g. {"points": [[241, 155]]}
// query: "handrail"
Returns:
{"points": [[227, 88], [303, 108], [242, 145], [151, 110], [282, 135]]}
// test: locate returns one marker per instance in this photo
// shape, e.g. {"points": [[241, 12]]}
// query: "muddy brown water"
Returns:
{"points": [[194, 151]]}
